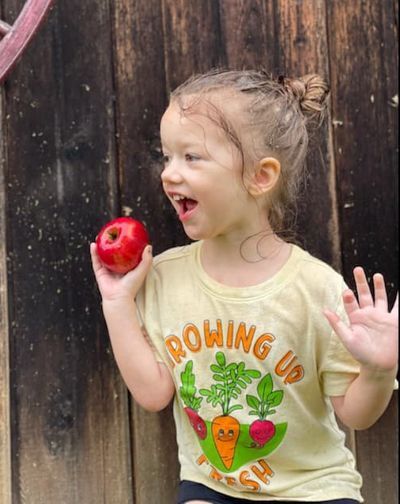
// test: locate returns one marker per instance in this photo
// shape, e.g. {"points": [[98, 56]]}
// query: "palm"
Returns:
{"points": [[110, 284], [113, 286], [371, 336]]}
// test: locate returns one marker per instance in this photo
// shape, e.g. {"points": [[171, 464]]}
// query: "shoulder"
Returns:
{"points": [[174, 255], [312, 264], [173, 263], [318, 276], [169, 268]]}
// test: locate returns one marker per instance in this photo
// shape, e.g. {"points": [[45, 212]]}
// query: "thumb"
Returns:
{"points": [[138, 274], [338, 326], [147, 259]]}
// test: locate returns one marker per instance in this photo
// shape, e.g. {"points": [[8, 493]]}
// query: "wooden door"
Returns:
{"points": [[79, 144]]}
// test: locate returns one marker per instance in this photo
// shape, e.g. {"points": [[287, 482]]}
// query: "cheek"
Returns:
{"points": [[239, 187]]}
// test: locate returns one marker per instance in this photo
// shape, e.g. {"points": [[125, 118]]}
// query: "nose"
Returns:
{"points": [[171, 173]]}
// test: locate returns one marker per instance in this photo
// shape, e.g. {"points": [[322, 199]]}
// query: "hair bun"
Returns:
{"points": [[311, 91]]}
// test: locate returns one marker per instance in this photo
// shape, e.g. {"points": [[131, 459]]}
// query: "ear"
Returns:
{"points": [[265, 177]]}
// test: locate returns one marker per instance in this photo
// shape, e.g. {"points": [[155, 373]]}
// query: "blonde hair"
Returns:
{"points": [[278, 114]]}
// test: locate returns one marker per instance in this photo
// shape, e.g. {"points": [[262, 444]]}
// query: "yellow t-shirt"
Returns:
{"points": [[254, 368]]}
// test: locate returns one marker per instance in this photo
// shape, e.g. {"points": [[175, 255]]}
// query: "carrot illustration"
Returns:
{"points": [[225, 430], [231, 380]]}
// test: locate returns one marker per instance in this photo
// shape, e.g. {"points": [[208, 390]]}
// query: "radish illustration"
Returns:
{"points": [[262, 430], [192, 403], [196, 422]]}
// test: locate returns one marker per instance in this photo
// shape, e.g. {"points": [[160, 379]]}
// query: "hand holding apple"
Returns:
{"points": [[114, 285], [120, 244]]}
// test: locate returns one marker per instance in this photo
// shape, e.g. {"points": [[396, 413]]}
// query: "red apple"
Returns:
{"points": [[120, 244]]}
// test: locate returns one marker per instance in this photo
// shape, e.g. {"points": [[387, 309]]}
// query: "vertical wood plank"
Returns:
{"points": [[59, 184], [141, 99], [70, 425], [5, 426], [248, 30], [363, 39], [303, 48], [364, 73], [193, 40], [377, 457]]}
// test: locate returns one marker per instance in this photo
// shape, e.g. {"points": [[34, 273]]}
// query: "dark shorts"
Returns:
{"points": [[195, 491]]}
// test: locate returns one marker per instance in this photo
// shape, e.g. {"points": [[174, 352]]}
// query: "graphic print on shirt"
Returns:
{"points": [[226, 443]]}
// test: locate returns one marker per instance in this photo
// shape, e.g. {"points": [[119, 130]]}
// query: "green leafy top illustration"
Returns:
{"points": [[188, 389], [231, 380], [267, 399]]}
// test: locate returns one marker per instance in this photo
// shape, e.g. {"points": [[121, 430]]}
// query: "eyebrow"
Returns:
{"points": [[184, 145]]}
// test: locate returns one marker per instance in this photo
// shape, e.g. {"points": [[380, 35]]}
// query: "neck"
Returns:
{"points": [[244, 261]]}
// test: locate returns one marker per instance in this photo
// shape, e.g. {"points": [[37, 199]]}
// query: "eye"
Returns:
{"points": [[165, 159], [191, 157]]}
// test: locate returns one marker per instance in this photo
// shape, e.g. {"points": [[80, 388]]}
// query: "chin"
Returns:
{"points": [[196, 234]]}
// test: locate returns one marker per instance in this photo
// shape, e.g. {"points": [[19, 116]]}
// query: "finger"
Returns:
{"points": [[350, 301], [147, 258], [96, 263], [363, 290], [340, 328], [380, 294], [143, 267]]}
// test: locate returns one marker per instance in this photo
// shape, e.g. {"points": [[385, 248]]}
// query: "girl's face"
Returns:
{"points": [[202, 177]]}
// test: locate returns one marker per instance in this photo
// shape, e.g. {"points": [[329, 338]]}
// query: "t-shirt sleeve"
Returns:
{"points": [[339, 368], [147, 307]]}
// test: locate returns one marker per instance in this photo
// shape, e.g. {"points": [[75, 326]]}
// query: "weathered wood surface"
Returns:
{"points": [[192, 39], [5, 427], [303, 49], [81, 141], [363, 42], [140, 99], [70, 425]]}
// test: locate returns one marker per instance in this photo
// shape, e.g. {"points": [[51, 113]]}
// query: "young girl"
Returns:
{"points": [[258, 342]]}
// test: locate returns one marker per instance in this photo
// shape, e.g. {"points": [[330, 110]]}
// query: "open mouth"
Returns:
{"points": [[185, 206]]}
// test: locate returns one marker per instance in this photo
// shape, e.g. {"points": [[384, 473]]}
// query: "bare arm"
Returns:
{"points": [[365, 401], [372, 340], [148, 380]]}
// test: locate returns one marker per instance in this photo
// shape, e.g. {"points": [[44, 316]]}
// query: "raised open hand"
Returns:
{"points": [[114, 286], [372, 334]]}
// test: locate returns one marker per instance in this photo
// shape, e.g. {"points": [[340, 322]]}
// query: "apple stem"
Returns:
{"points": [[113, 234]]}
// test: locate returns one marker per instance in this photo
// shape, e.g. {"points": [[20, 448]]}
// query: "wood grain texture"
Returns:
{"points": [[5, 410], [363, 53], [155, 457], [377, 457], [363, 45], [301, 47], [70, 429], [248, 34], [192, 39], [141, 99], [80, 136]]}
